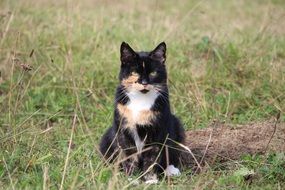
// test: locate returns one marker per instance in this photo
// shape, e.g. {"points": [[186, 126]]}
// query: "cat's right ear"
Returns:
{"points": [[159, 53], [127, 53]]}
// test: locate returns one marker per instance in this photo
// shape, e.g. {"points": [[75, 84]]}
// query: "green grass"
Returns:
{"points": [[226, 62]]}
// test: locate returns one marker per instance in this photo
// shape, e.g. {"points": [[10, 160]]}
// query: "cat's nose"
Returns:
{"points": [[144, 82]]}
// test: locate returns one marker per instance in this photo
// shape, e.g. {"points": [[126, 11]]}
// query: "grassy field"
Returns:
{"points": [[59, 62]]}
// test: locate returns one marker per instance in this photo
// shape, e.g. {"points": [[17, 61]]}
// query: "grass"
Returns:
{"points": [[226, 62]]}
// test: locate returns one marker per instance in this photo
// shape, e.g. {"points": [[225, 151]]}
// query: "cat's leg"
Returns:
{"points": [[130, 166], [172, 159], [129, 155], [149, 164]]}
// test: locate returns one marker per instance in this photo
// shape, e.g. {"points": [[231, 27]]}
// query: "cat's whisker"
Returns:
{"points": [[122, 96], [163, 95]]}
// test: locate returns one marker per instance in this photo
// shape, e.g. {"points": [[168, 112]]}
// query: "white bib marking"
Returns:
{"points": [[139, 101]]}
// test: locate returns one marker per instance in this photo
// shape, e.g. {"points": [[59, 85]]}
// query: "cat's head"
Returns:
{"points": [[143, 71]]}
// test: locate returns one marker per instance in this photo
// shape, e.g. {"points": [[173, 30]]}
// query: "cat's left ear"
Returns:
{"points": [[127, 53], [159, 53]]}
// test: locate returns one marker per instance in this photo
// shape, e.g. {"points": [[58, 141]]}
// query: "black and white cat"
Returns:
{"points": [[144, 132]]}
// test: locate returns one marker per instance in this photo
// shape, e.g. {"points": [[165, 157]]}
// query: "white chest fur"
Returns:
{"points": [[140, 102]]}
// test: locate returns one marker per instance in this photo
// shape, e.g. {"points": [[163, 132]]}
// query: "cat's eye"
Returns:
{"points": [[153, 74]]}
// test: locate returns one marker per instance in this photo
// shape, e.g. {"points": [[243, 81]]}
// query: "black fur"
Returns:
{"points": [[164, 130]]}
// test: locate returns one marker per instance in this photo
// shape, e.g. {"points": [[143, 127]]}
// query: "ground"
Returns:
{"points": [[222, 143], [59, 62]]}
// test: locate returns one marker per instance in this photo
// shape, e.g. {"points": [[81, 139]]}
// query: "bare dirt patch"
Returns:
{"points": [[225, 142]]}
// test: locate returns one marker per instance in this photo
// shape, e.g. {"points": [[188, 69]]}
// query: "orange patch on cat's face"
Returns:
{"points": [[144, 117], [130, 80], [131, 83]]}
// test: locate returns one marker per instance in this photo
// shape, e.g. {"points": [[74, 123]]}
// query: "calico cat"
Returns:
{"points": [[144, 132]]}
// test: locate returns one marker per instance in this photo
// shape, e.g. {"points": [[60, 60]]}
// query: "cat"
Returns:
{"points": [[144, 132]]}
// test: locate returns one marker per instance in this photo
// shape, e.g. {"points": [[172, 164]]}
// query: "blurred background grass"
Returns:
{"points": [[226, 63]]}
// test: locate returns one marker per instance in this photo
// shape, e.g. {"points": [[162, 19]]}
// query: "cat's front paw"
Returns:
{"points": [[172, 171], [150, 179]]}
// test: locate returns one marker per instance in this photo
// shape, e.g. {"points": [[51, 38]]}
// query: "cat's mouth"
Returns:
{"points": [[144, 91]]}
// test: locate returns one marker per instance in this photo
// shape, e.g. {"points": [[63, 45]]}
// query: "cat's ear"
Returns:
{"points": [[159, 53], [127, 53]]}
